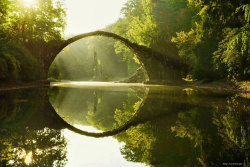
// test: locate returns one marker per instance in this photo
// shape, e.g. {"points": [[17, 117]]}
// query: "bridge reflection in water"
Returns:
{"points": [[159, 125]]}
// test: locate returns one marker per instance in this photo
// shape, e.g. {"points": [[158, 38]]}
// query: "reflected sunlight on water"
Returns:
{"points": [[92, 84], [99, 84], [94, 152]]}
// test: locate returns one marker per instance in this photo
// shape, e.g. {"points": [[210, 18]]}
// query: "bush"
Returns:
{"points": [[17, 63]]}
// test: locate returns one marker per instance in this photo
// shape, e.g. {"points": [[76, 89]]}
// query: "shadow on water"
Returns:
{"points": [[159, 126]]}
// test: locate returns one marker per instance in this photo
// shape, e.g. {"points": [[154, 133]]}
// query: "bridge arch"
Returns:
{"points": [[135, 48], [158, 68]]}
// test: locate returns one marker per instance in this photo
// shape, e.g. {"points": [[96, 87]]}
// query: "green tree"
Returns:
{"points": [[138, 25], [41, 20], [16, 63], [28, 28], [232, 56], [211, 19]]}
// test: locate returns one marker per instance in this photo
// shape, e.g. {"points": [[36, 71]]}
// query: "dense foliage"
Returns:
{"points": [[16, 63], [210, 37], [217, 46], [24, 29]]}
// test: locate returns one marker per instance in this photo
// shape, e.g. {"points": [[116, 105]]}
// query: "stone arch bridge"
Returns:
{"points": [[151, 108], [158, 68]]}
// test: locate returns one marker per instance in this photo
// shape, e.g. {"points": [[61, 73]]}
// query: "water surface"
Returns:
{"points": [[166, 126]]}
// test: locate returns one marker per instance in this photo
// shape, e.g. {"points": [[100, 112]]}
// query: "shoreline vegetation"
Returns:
{"points": [[16, 86], [210, 39]]}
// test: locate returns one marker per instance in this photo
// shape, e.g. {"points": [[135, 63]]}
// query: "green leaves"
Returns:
{"points": [[141, 25], [218, 41], [233, 54], [43, 19], [246, 10], [16, 63]]}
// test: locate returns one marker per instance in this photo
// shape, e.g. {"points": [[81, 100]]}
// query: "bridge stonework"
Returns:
{"points": [[159, 68]]}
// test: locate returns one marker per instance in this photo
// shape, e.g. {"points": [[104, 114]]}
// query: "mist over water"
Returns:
{"points": [[95, 84]]}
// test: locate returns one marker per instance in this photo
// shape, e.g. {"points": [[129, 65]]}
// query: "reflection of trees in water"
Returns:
{"points": [[23, 140], [153, 143], [102, 109], [16, 108], [196, 125], [176, 128], [138, 139], [198, 135], [89, 107], [233, 122], [46, 147], [223, 136]]}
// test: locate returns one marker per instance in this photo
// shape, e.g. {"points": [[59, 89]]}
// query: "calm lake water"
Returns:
{"points": [[78, 124]]}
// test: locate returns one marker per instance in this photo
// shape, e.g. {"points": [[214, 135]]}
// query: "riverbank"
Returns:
{"points": [[241, 87], [16, 86]]}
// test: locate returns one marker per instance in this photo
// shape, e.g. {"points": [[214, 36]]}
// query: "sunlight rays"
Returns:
{"points": [[28, 3]]}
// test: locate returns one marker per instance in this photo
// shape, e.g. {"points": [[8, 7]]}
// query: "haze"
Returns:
{"points": [[90, 15]]}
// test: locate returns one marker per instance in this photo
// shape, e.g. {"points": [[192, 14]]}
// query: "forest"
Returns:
{"points": [[210, 38], [192, 41]]}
